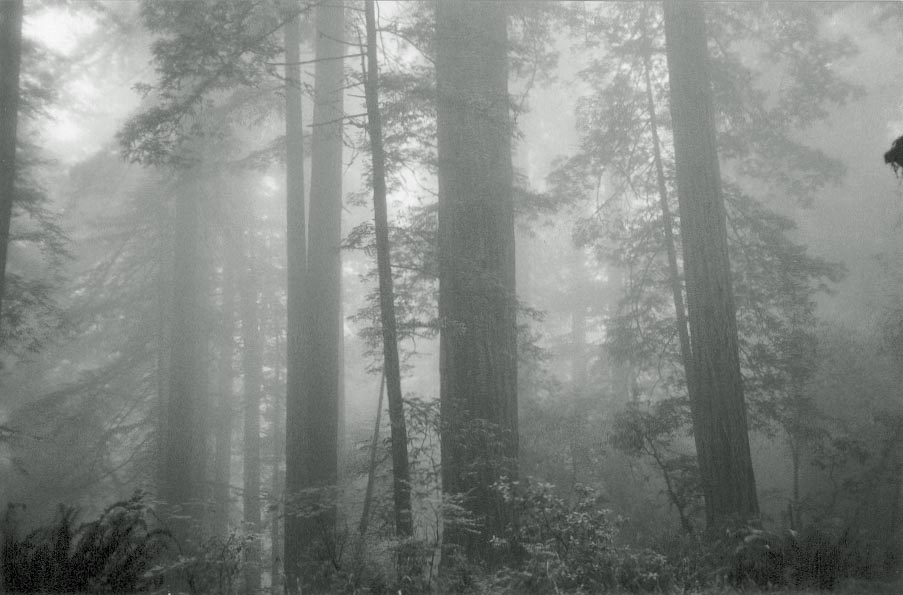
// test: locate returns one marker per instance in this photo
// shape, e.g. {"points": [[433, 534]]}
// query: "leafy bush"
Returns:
{"points": [[818, 557], [110, 554], [571, 547], [205, 564]]}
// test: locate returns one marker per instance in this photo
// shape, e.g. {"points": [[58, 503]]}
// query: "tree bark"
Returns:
{"points": [[323, 295], [10, 59], [718, 408], [680, 310], [278, 475], [478, 346], [183, 472], [163, 342], [371, 467], [222, 462], [296, 349], [252, 369], [401, 488], [579, 372]]}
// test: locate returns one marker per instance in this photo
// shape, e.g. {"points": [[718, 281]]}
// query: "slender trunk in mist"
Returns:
{"points": [[222, 460], [252, 372], [677, 295], [795, 503], [718, 408], [183, 473], [163, 344], [401, 488], [621, 376], [10, 58], [371, 467], [295, 537], [527, 375], [278, 477], [364, 523], [578, 327], [477, 305], [578, 374], [578, 346]]}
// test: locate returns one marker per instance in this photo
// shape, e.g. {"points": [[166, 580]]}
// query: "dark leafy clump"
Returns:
{"points": [[894, 157], [814, 558], [107, 555]]}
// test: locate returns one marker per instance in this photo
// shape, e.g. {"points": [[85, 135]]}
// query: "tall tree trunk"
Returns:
{"points": [[797, 464], [295, 537], [371, 467], [277, 509], [579, 371], [163, 346], [278, 476], [185, 436], [252, 370], [667, 220], [578, 346], [364, 523], [401, 488], [10, 58], [324, 252], [323, 291], [478, 346], [222, 463], [718, 408]]}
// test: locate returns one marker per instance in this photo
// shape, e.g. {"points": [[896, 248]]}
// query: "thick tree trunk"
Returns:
{"points": [[401, 488], [680, 310], [183, 472], [296, 349], [323, 293], [10, 58], [252, 370], [719, 411], [478, 346], [222, 460]]}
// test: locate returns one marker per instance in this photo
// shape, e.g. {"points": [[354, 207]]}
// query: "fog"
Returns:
{"points": [[349, 296]]}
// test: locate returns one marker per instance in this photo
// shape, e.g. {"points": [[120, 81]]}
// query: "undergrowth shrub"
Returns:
{"points": [[570, 547], [817, 557], [561, 546], [109, 554], [203, 564]]}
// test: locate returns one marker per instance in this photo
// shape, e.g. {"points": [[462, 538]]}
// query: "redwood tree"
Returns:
{"points": [[10, 58], [478, 359], [716, 390], [320, 390], [222, 457], [184, 441], [324, 266], [392, 371], [296, 353], [252, 374]]}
